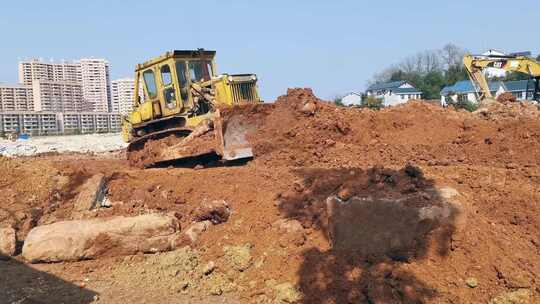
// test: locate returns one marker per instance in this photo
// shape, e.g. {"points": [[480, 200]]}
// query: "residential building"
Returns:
{"points": [[394, 93], [16, 97], [352, 99], [96, 83], [35, 69], [522, 89], [28, 122], [54, 123], [89, 122], [122, 95], [58, 96], [465, 91], [92, 75]]}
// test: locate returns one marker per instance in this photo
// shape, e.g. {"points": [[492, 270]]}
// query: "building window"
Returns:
{"points": [[150, 81]]}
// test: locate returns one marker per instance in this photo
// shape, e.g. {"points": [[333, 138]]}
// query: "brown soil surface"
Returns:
{"points": [[506, 97], [307, 150]]}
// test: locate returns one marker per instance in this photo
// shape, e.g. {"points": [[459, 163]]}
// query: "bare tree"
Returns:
{"points": [[452, 55], [432, 61], [384, 75]]}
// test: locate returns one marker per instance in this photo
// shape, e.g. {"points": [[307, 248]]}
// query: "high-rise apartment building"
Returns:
{"points": [[35, 69], [58, 96], [16, 98], [89, 76], [122, 95], [96, 83]]}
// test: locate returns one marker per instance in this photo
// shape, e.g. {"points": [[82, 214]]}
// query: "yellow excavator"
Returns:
{"points": [[178, 115], [516, 62]]}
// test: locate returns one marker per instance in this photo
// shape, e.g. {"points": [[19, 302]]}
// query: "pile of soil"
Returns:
{"points": [[418, 132], [506, 98], [307, 150]]}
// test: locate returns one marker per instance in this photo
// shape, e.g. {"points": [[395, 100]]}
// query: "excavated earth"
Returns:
{"points": [[279, 244]]}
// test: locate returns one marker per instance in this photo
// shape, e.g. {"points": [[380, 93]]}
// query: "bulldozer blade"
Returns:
{"points": [[181, 146], [231, 135]]}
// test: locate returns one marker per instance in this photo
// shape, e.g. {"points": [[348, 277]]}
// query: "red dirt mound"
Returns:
{"points": [[302, 130]]}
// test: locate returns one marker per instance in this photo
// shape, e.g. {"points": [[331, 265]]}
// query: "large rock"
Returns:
{"points": [[217, 212], [92, 192], [88, 239], [389, 226], [7, 241]]}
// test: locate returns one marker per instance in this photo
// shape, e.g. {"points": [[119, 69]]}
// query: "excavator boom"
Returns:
{"points": [[519, 62]]}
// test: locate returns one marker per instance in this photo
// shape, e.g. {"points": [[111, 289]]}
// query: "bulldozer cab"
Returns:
{"points": [[167, 81]]}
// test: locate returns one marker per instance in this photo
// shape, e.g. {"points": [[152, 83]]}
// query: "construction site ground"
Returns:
{"points": [[306, 151]]}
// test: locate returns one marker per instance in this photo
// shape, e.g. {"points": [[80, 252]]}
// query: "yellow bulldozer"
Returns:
{"points": [[476, 66], [178, 115]]}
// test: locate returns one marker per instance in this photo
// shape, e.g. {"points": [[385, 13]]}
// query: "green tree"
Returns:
{"points": [[431, 84], [338, 101], [464, 104], [455, 73], [538, 58], [372, 102]]}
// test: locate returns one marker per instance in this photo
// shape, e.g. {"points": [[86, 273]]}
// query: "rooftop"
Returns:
{"points": [[519, 85], [466, 86], [386, 85]]}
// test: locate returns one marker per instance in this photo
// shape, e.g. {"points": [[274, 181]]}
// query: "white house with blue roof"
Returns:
{"points": [[522, 89], [394, 93], [464, 91]]}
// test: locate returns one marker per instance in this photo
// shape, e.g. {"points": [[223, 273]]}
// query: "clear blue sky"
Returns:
{"points": [[332, 46]]}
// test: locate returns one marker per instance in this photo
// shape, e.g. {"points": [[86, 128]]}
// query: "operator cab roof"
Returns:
{"points": [[187, 54]]}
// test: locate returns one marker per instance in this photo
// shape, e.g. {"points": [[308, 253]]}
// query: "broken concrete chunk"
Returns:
{"points": [[88, 239], [92, 192], [7, 241], [217, 212]]}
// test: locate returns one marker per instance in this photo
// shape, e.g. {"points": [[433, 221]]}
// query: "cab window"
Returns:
{"points": [[150, 81], [200, 70], [182, 80], [166, 75]]}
